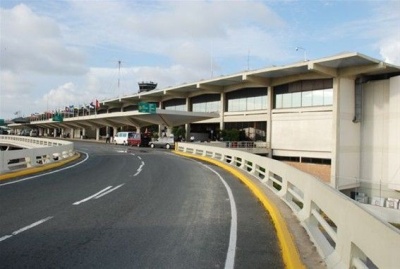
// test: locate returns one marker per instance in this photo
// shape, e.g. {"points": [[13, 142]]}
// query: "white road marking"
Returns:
{"points": [[48, 173], [94, 195], [230, 256], [140, 168], [107, 192], [25, 228]]}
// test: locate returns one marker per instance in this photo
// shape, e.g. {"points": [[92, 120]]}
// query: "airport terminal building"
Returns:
{"points": [[339, 115]]}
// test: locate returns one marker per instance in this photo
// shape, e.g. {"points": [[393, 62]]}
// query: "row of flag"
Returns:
{"points": [[67, 110]]}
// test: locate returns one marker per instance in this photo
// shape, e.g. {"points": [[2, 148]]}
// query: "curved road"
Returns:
{"points": [[120, 207]]}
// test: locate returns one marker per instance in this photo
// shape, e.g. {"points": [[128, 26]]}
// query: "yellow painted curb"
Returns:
{"points": [[37, 169], [290, 253]]}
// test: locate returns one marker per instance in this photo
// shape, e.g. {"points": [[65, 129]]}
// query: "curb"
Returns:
{"points": [[290, 253], [38, 169]]}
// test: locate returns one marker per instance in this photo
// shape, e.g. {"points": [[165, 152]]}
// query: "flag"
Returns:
{"points": [[84, 106], [95, 104]]}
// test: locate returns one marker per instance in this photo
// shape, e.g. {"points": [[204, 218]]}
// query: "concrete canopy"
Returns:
{"points": [[168, 118]]}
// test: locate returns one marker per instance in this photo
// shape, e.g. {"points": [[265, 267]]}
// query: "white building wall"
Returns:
{"points": [[380, 138], [302, 133], [374, 135], [347, 166], [394, 134]]}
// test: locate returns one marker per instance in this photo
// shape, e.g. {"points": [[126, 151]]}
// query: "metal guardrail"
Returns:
{"points": [[346, 235], [35, 152]]}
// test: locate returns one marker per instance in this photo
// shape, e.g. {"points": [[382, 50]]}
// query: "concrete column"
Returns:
{"points": [[187, 125], [115, 131], [269, 116], [97, 134], [83, 132], [222, 111], [55, 132]]}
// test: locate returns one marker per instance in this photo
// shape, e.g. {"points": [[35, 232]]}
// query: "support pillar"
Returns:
{"points": [[97, 134]]}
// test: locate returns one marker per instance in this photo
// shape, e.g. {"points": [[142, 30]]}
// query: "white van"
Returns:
{"points": [[121, 138]]}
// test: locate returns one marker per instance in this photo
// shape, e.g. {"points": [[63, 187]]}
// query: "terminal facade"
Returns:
{"points": [[339, 113]]}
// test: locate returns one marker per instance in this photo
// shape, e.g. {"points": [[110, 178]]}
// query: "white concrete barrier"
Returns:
{"points": [[36, 151], [345, 234]]}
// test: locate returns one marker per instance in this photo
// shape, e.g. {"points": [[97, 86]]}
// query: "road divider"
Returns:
{"points": [[25, 228], [99, 194]]}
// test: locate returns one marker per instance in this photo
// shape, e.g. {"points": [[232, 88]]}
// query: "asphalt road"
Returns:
{"points": [[121, 207]]}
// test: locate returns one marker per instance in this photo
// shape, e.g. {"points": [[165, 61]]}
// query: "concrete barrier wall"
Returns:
{"points": [[35, 152], [346, 235]]}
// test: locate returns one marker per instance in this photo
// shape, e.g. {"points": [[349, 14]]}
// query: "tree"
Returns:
{"points": [[230, 135], [179, 132]]}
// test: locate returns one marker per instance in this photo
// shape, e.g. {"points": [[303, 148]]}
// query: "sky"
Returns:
{"points": [[71, 52]]}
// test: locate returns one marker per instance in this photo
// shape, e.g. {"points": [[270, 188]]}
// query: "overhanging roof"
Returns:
{"points": [[168, 118], [342, 65]]}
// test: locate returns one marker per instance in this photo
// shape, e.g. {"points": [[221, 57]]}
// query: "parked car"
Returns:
{"points": [[163, 142], [25, 132], [121, 138], [4, 130], [34, 132], [139, 140]]}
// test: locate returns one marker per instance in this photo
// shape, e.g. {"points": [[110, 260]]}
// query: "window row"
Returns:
{"points": [[176, 107], [212, 106], [304, 99], [247, 103]]}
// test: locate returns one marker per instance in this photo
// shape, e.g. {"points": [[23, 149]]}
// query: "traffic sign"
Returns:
{"points": [[147, 107], [58, 117]]}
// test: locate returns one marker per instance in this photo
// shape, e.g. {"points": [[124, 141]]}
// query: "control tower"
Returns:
{"points": [[147, 86]]}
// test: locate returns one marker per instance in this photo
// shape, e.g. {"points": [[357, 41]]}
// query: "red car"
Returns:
{"points": [[139, 140]]}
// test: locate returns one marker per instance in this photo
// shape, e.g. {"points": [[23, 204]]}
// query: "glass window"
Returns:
{"points": [[251, 103], [318, 98], [258, 102], [296, 99], [306, 99], [278, 101], [233, 105], [213, 106], [247, 99], [287, 100], [328, 97], [305, 93]]}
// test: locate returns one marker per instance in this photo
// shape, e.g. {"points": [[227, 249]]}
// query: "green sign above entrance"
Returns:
{"points": [[147, 107], [58, 117]]}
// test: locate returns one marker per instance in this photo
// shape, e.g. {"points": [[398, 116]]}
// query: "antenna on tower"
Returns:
{"points": [[119, 72]]}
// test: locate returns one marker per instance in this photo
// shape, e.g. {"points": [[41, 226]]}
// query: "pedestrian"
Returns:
{"points": [[108, 138]]}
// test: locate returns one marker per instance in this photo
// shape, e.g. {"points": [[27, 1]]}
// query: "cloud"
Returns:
{"points": [[389, 49], [157, 26], [387, 30], [60, 97], [31, 43]]}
